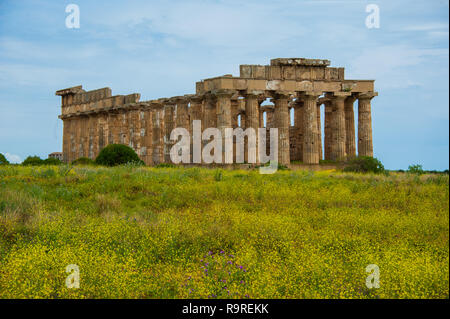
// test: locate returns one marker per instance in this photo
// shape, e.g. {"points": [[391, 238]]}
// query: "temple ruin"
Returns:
{"points": [[94, 119]]}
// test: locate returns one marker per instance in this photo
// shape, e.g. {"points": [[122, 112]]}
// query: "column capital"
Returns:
{"points": [[352, 98], [179, 100], [195, 98], [281, 95], [309, 95], [253, 94], [297, 103], [155, 104], [337, 95], [210, 96], [224, 93], [367, 95]]}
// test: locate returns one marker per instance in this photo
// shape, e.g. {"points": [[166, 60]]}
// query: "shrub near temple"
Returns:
{"points": [[364, 164], [33, 160], [117, 154], [3, 160]]}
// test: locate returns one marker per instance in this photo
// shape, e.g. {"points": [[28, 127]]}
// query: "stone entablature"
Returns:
{"points": [[93, 119]]}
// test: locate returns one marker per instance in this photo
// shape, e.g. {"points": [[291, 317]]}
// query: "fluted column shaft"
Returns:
{"points": [[157, 134], [338, 129], [281, 119], [182, 119], [169, 124], [365, 143], [310, 132], [298, 129], [252, 119], [319, 132], [350, 146], [327, 129], [224, 118]]}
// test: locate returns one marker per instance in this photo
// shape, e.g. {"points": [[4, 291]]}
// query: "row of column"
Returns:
{"points": [[147, 130]]}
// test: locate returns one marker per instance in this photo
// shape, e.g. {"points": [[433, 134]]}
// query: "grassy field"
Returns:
{"points": [[138, 232]]}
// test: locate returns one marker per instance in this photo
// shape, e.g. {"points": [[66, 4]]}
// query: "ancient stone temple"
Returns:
{"points": [[94, 119]]}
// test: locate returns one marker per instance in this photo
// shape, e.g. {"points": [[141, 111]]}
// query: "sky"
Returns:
{"points": [[161, 48]]}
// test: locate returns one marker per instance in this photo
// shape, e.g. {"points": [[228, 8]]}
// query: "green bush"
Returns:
{"points": [[3, 160], [51, 161], [117, 154], [33, 160], [364, 164], [83, 161], [415, 169]]}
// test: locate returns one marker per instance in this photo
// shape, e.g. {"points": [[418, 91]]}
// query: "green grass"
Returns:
{"points": [[138, 232]]}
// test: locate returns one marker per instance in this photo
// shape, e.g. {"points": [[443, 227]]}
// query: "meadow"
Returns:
{"points": [[141, 232]]}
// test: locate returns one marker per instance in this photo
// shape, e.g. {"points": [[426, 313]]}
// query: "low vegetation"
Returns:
{"points": [[117, 154], [3, 160], [139, 232]]}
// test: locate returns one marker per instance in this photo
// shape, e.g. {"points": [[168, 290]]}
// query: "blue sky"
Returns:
{"points": [[161, 48]]}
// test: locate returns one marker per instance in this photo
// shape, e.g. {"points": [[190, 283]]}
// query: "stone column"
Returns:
{"points": [[224, 117], [252, 119], [319, 131], [338, 128], [310, 133], [298, 128], [209, 115], [65, 146], [85, 135], [327, 128], [182, 119], [195, 115], [157, 133], [147, 138], [281, 119], [365, 143], [261, 99], [169, 125], [350, 146], [209, 112], [91, 136]]}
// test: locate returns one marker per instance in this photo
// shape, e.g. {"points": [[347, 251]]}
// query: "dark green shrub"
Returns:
{"points": [[83, 161], [117, 154], [51, 161], [415, 169], [33, 160], [3, 160], [364, 164]]}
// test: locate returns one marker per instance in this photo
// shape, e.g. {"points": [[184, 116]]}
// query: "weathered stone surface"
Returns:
{"points": [[94, 119]]}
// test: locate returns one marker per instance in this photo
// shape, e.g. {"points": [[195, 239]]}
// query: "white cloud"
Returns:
{"points": [[12, 158], [395, 66], [427, 27]]}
